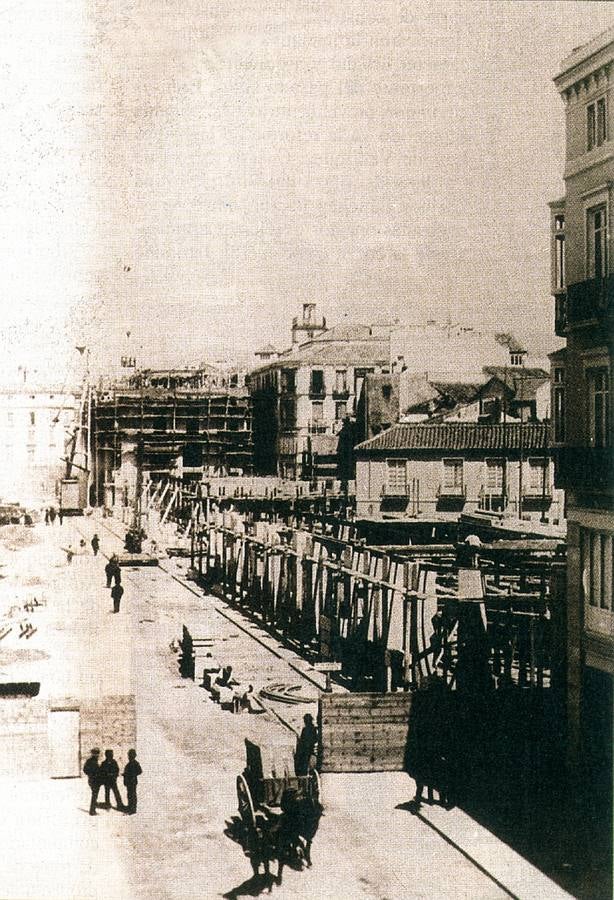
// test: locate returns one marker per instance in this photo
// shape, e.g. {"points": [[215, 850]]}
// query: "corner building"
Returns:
{"points": [[582, 257]]}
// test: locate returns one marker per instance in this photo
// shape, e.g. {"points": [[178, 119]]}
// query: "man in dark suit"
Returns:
{"points": [[131, 777], [109, 773], [92, 770]]}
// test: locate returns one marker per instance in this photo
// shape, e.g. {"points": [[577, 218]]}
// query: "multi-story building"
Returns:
{"points": [[34, 427], [583, 287], [438, 471], [303, 400], [191, 423]]}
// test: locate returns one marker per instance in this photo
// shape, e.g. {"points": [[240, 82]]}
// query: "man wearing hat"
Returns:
{"points": [[92, 770]]}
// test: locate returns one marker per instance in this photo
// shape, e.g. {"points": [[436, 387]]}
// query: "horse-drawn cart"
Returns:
{"points": [[280, 811]]}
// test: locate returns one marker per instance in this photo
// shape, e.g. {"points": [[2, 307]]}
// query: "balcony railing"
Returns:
{"points": [[491, 499], [584, 468], [341, 393], [316, 428], [317, 393], [536, 493], [391, 490], [587, 300], [452, 490]]}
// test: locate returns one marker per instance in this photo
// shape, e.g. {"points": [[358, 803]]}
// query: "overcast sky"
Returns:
{"points": [[191, 172]]}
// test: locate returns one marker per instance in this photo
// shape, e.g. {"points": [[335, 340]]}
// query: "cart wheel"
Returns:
{"points": [[246, 804], [315, 785]]}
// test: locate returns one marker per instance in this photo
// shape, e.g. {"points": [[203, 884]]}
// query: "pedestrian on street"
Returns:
{"points": [[117, 592], [61, 515], [92, 770], [52, 515], [112, 570], [109, 773], [46, 515], [95, 544], [131, 777], [305, 756], [69, 554]]}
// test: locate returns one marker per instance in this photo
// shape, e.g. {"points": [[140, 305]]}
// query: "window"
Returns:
{"points": [[341, 381], [538, 476], [387, 391], [596, 124], [341, 410], [453, 475], [287, 413], [598, 407], [317, 381], [396, 476], [288, 381], [596, 565], [558, 406], [494, 476], [597, 248], [516, 359], [559, 252], [317, 412]]}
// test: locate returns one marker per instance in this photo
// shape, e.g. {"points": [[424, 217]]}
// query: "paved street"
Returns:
{"points": [[191, 750]]}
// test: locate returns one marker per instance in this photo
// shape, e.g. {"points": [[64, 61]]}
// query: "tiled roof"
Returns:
{"points": [[459, 436]]}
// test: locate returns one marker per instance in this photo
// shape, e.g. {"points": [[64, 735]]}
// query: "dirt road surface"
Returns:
{"points": [[368, 844]]}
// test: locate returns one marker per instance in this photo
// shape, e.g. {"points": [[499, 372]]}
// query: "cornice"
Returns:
{"points": [[586, 85]]}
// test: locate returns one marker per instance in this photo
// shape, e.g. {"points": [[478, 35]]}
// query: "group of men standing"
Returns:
{"points": [[106, 773]]}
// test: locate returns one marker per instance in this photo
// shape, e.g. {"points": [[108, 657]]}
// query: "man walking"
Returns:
{"points": [[92, 770], [96, 545], [131, 777], [109, 773], [112, 570], [117, 592]]}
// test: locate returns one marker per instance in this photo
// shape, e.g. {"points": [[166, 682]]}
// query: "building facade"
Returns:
{"points": [[191, 424], [34, 427], [305, 401], [583, 287], [438, 471]]}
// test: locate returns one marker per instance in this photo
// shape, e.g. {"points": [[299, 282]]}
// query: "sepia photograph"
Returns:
{"points": [[307, 449]]}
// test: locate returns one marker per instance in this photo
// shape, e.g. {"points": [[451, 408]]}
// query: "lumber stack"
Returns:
{"points": [[364, 732]]}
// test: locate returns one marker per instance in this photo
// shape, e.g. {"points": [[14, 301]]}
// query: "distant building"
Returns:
{"points": [[35, 425], [438, 471], [583, 286], [457, 354], [378, 406], [190, 423], [306, 398]]}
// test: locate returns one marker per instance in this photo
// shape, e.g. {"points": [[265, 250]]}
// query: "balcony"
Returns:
{"points": [[588, 469], [452, 491], [391, 490], [317, 428], [316, 392], [491, 499], [341, 393], [585, 301]]}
